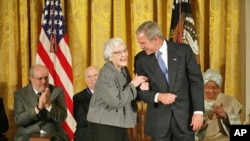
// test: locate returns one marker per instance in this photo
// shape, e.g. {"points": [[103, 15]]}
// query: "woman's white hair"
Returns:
{"points": [[109, 46]]}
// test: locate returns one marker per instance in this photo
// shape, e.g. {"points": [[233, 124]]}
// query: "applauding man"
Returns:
{"points": [[39, 107]]}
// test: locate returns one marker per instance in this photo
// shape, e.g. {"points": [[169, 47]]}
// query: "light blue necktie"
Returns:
{"points": [[162, 64]]}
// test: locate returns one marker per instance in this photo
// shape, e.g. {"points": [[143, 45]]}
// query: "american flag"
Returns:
{"points": [[53, 52], [183, 27]]}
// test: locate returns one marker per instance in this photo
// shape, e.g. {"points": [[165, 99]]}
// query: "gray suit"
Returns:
{"points": [[25, 101], [185, 80], [113, 101]]}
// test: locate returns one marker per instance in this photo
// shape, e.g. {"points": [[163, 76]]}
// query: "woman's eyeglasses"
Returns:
{"points": [[119, 53]]}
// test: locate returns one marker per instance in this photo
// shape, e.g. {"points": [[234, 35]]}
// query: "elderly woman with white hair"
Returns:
{"points": [[221, 110], [112, 107]]}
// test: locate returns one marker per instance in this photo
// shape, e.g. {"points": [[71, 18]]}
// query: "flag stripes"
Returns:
{"points": [[58, 62]]}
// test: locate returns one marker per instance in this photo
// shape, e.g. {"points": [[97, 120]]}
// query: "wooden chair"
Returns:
{"points": [[40, 137], [137, 133]]}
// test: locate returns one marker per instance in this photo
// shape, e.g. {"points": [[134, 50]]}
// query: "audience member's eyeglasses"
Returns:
{"points": [[41, 78], [212, 88]]}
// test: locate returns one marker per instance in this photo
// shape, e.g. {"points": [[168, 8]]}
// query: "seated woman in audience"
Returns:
{"points": [[221, 110]]}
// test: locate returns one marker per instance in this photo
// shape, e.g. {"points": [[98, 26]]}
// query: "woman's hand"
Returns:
{"points": [[144, 86], [138, 80]]}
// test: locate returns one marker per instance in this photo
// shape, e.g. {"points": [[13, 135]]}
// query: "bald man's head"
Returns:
{"points": [[90, 74]]}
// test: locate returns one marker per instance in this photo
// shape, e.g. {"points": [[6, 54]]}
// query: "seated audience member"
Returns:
{"points": [[39, 107], [221, 110], [4, 123], [81, 104]]}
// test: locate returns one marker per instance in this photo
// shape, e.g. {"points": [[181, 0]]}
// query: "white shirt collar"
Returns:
{"points": [[163, 48], [36, 92]]}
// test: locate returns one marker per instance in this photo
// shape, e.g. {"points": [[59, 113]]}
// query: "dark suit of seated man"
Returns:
{"points": [[4, 123], [81, 104], [39, 107]]}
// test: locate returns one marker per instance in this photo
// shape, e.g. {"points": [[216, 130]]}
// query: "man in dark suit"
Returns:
{"points": [[81, 104], [4, 122], [175, 100], [40, 107]]}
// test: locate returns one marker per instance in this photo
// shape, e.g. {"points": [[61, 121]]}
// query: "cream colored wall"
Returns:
{"points": [[245, 63]]}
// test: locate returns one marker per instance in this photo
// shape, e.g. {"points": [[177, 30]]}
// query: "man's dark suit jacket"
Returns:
{"points": [[185, 80], [81, 107], [25, 101], [4, 122]]}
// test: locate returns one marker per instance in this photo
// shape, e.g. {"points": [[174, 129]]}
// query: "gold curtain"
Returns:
{"points": [[90, 23]]}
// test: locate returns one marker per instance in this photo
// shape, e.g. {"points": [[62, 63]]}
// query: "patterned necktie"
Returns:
{"points": [[38, 96], [42, 117], [162, 64]]}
